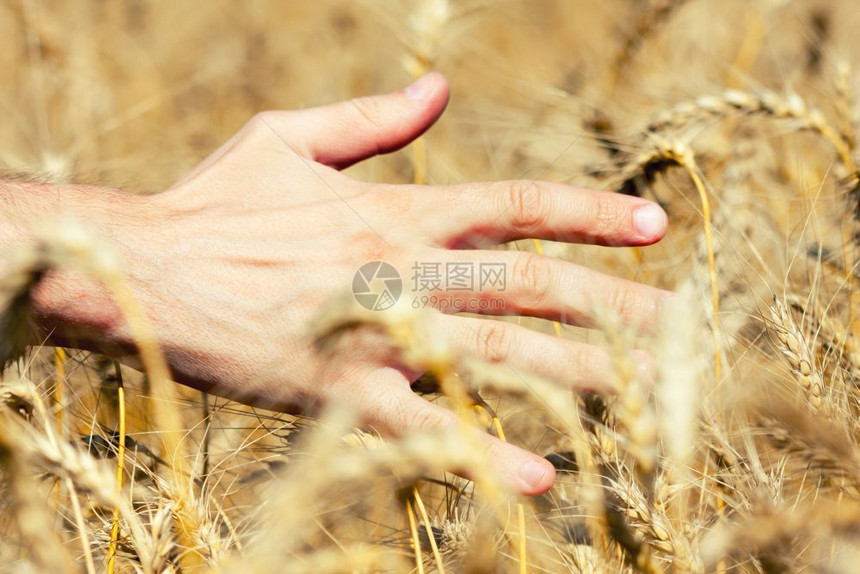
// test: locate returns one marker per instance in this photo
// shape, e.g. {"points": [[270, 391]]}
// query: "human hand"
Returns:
{"points": [[240, 255]]}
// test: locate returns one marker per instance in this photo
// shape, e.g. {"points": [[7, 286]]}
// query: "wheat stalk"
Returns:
{"points": [[797, 353], [761, 102], [846, 103], [649, 20]]}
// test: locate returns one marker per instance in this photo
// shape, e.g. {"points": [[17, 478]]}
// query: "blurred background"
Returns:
{"points": [[134, 93]]}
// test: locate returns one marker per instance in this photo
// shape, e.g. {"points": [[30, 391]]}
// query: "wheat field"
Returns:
{"points": [[740, 117]]}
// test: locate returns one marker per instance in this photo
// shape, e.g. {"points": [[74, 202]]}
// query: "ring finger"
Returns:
{"points": [[581, 366]]}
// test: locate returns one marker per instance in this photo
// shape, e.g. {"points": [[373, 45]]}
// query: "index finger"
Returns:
{"points": [[490, 213]]}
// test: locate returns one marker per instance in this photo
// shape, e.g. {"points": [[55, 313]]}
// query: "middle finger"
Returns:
{"points": [[521, 283]]}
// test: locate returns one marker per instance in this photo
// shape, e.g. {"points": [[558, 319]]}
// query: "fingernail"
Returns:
{"points": [[533, 474], [650, 220], [422, 87]]}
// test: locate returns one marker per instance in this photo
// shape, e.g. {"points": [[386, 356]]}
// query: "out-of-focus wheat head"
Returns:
{"points": [[739, 117]]}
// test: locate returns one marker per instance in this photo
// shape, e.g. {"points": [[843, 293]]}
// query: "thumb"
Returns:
{"points": [[342, 134]]}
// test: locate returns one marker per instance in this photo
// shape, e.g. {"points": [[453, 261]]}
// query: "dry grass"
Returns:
{"points": [[739, 117]]}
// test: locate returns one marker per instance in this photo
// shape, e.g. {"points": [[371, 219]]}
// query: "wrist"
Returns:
{"points": [[70, 306]]}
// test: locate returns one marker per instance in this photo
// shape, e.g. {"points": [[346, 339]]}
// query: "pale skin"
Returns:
{"points": [[235, 261]]}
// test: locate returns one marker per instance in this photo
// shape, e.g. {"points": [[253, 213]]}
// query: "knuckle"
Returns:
{"points": [[532, 277], [367, 109], [529, 204], [608, 214], [624, 301], [493, 341]]}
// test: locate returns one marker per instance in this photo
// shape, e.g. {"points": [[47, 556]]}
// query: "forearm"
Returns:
{"points": [[68, 305]]}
